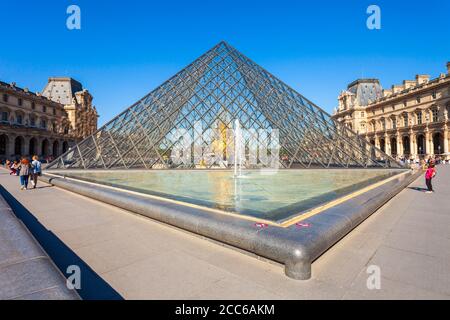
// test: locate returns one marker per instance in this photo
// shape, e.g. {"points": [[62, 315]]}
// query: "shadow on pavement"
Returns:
{"points": [[93, 287], [418, 189]]}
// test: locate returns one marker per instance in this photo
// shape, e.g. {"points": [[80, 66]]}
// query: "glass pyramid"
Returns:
{"points": [[189, 122]]}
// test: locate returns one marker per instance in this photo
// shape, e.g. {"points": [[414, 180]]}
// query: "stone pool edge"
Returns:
{"points": [[296, 246]]}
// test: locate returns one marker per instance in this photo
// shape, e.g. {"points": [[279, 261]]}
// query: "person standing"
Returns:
{"points": [[36, 171], [24, 173], [429, 175]]}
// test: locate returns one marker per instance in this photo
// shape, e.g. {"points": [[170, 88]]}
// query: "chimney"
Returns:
{"points": [[422, 78], [396, 88]]}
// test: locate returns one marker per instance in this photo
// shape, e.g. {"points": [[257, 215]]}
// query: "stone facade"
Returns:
{"points": [[44, 124], [408, 121]]}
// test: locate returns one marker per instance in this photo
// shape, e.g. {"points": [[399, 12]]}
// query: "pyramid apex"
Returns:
{"points": [[223, 43]]}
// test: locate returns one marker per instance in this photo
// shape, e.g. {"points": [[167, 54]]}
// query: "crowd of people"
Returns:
{"points": [[26, 170], [436, 160]]}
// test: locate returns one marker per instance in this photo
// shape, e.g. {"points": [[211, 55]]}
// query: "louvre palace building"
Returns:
{"points": [[46, 124], [409, 121]]}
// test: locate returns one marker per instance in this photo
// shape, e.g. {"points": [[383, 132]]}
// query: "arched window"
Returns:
{"points": [[65, 146], [55, 149], [3, 144], [18, 146]]}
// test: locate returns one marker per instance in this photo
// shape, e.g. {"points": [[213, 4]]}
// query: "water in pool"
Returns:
{"points": [[274, 197]]}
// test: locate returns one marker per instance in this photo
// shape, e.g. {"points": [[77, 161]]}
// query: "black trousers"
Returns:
{"points": [[429, 185]]}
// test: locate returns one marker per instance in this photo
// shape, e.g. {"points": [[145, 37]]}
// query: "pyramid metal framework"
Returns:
{"points": [[204, 100]]}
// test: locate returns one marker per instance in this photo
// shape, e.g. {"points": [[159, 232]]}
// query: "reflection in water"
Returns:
{"points": [[271, 197]]}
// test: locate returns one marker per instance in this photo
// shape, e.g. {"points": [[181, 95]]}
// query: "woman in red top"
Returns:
{"points": [[429, 175]]}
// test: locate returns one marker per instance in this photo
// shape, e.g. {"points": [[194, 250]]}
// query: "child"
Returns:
{"points": [[429, 175]]}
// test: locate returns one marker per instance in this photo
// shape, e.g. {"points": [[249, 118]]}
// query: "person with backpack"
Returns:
{"points": [[24, 173], [36, 171]]}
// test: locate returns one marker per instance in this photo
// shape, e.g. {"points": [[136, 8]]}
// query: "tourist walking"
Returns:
{"points": [[24, 173], [36, 171], [429, 175]]}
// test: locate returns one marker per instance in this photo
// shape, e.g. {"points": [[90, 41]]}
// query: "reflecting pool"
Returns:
{"points": [[273, 196]]}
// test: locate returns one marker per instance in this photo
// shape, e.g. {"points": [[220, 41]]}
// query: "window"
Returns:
{"points": [[43, 124], [394, 124], [433, 95], [5, 97], [4, 116], [434, 112], [363, 126], [405, 103], [44, 109], [32, 121], [19, 102], [418, 99], [33, 105], [362, 114], [383, 125], [419, 117], [66, 130], [405, 120], [19, 119], [54, 111]]}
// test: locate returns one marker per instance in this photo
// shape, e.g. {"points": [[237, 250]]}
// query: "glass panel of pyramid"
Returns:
{"points": [[189, 122]]}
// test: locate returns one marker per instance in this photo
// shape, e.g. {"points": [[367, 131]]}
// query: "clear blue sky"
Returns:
{"points": [[127, 48]]}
